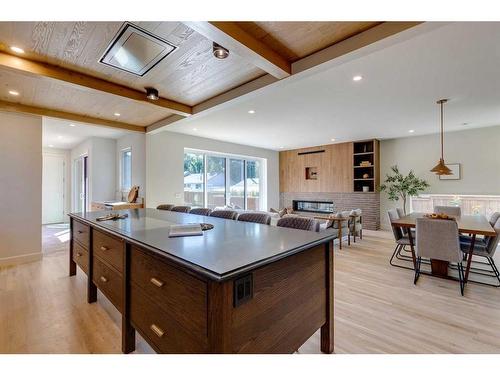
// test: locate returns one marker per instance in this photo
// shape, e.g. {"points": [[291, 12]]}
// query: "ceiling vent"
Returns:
{"points": [[136, 50]]}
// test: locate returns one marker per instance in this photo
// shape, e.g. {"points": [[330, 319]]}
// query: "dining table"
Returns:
{"points": [[471, 225]]}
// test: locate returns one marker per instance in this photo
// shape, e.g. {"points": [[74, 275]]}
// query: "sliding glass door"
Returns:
{"points": [[218, 180]]}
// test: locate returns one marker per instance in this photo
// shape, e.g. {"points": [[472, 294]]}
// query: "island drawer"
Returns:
{"points": [[109, 249], [81, 233], [81, 257], [175, 291], [165, 335], [109, 282]]}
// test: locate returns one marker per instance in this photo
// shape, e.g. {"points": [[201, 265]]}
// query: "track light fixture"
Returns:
{"points": [[219, 51], [152, 93]]}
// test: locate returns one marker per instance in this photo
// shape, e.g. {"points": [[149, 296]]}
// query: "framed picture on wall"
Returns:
{"points": [[455, 169]]}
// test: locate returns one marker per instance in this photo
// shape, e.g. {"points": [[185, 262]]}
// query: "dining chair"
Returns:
{"points": [[224, 214], [184, 209], [485, 248], [201, 211], [401, 214], [402, 240], [297, 222], [448, 210], [165, 207], [438, 240], [255, 217]]}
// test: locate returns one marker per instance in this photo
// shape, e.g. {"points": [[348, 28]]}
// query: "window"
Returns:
{"points": [[126, 170], [194, 179], [218, 180]]}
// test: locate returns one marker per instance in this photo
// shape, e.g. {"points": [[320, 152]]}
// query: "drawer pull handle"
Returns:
{"points": [[78, 254], [157, 330], [156, 282], [103, 279], [104, 248]]}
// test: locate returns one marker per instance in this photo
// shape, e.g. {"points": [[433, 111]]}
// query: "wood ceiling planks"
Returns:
{"points": [[48, 93], [295, 40], [79, 46]]}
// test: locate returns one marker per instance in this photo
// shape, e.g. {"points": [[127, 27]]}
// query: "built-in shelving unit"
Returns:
{"points": [[366, 166]]}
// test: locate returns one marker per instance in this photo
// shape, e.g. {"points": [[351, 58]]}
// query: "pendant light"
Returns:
{"points": [[441, 168]]}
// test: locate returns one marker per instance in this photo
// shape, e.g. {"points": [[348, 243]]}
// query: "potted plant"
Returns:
{"points": [[398, 186]]}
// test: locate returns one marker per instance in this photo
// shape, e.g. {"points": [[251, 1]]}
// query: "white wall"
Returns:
{"points": [[21, 188], [476, 150], [137, 143], [101, 165], [67, 176], [165, 165]]}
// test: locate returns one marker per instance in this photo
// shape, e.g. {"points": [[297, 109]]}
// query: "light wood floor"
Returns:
{"points": [[377, 309]]}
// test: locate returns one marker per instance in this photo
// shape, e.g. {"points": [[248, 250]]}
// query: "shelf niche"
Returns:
{"points": [[365, 166]]}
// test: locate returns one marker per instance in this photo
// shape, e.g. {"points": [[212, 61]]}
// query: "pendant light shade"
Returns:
{"points": [[441, 168]]}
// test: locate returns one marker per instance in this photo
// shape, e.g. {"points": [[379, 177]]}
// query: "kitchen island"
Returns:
{"points": [[239, 288]]}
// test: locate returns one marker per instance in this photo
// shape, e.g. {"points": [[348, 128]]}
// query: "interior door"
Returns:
{"points": [[53, 186], [81, 183]]}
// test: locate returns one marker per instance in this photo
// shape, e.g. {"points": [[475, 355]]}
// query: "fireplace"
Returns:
{"points": [[321, 207]]}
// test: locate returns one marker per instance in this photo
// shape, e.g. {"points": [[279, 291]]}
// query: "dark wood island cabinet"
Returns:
{"points": [[239, 288]]}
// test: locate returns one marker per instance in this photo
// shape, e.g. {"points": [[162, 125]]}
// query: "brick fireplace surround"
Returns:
{"points": [[368, 202]]}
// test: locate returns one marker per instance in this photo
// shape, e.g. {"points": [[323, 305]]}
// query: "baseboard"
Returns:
{"points": [[19, 259]]}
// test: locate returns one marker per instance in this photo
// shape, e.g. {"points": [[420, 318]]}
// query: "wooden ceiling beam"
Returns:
{"points": [[21, 108], [55, 72], [235, 39]]}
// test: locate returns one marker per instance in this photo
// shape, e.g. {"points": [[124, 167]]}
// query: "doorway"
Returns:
{"points": [[81, 184], [53, 188]]}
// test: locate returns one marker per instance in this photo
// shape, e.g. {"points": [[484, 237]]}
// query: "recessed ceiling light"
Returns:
{"points": [[16, 49], [465, 123], [333, 139], [195, 129], [72, 125], [251, 111], [411, 131], [117, 114], [14, 93], [282, 147], [357, 78], [152, 93], [51, 145], [59, 137]]}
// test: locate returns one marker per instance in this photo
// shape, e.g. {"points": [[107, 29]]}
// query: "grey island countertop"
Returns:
{"points": [[230, 248]]}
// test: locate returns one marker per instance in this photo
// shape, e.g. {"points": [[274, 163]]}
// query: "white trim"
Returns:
{"points": [[122, 151], [20, 259]]}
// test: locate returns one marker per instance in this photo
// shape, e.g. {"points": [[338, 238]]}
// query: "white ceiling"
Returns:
{"points": [[60, 134], [401, 83]]}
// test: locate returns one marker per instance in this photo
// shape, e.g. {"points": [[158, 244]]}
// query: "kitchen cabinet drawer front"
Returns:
{"points": [[81, 257], [81, 233], [109, 249], [109, 282], [183, 296], [164, 333]]}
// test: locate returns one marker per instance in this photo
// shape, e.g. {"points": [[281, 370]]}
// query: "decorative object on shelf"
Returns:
{"points": [[366, 189], [441, 168], [311, 173], [455, 172], [399, 186], [133, 194], [366, 175], [365, 164]]}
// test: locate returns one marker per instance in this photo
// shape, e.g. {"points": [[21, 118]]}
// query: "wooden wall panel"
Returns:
{"points": [[334, 167]]}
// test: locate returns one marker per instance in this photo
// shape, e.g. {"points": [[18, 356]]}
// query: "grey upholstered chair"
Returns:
{"points": [[401, 214], [224, 214], [184, 209], [340, 228], [402, 240], [255, 217], [297, 222], [356, 224], [486, 248], [438, 239], [448, 210], [201, 211], [165, 207]]}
